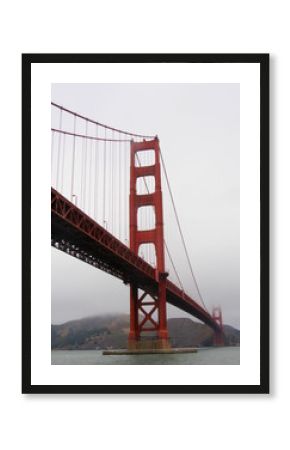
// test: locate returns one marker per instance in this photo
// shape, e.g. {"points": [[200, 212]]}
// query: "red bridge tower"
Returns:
{"points": [[218, 339], [143, 305]]}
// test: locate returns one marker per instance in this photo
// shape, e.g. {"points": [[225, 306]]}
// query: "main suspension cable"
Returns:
{"points": [[84, 136], [180, 230], [101, 124]]}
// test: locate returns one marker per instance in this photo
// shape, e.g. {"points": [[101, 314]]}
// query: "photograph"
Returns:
{"points": [[150, 188], [151, 221]]}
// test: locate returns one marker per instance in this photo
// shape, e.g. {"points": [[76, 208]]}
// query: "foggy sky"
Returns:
{"points": [[198, 127]]}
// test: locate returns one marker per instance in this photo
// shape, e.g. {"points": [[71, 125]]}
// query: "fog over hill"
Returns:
{"points": [[111, 331]]}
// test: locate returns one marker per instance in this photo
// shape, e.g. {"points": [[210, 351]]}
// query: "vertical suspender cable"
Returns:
{"points": [[93, 163], [82, 173], [59, 149], [73, 160], [62, 167], [120, 193], [124, 191], [109, 185], [96, 174], [172, 263], [119, 185], [52, 154], [104, 179], [112, 183], [85, 167], [89, 174]]}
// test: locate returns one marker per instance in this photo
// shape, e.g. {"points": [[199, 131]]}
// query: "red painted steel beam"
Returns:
{"points": [[145, 171]]}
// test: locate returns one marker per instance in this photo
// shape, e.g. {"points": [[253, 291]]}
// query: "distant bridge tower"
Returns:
{"points": [[144, 305], [218, 336]]}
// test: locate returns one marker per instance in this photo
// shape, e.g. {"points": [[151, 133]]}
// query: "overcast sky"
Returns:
{"points": [[198, 127]]}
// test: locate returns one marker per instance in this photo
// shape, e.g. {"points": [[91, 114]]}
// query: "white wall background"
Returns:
{"points": [[44, 421]]}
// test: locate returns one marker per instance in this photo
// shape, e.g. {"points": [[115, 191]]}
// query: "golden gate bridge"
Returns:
{"points": [[107, 210]]}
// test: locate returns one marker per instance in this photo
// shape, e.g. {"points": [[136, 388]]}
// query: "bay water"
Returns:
{"points": [[204, 356]]}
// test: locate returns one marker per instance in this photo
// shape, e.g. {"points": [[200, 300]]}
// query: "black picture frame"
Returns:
{"points": [[263, 61]]}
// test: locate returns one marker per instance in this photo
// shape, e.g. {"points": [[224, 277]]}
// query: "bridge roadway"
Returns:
{"points": [[78, 235]]}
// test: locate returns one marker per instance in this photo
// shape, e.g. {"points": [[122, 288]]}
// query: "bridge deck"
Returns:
{"points": [[75, 233]]}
